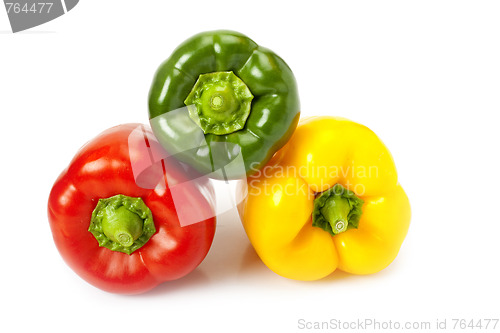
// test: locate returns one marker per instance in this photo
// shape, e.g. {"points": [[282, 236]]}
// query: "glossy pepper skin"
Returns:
{"points": [[102, 169], [274, 110], [277, 211]]}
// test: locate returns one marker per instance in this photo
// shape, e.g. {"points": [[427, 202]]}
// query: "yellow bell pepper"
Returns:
{"points": [[328, 199]]}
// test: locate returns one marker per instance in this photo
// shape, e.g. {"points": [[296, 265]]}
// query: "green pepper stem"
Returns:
{"points": [[219, 103], [336, 210], [122, 223], [216, 102]]}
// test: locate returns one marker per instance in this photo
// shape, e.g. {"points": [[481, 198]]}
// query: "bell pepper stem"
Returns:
{"points": [[219, 103], [337, 210], [122, 223]]}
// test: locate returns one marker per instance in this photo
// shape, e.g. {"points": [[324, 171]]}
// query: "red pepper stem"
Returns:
{"points": [[122, 223], [122, 226]]}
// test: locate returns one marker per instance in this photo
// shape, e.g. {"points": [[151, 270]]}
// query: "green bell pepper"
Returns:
{"points": [[219, 96]]}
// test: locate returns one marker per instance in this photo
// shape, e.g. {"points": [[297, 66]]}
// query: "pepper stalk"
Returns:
{"points": [[337, 210], [122, 223]]}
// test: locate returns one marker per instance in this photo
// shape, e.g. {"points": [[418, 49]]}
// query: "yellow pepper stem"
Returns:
{"points": [[336, 210]]}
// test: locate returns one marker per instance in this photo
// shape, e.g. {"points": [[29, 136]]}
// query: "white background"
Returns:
{"points": [[424, 75]]}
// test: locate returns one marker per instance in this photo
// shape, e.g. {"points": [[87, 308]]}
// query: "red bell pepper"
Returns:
{"points": [[120, 233]]}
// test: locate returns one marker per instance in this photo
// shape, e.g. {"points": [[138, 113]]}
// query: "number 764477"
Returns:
{"points": [[35, 8]]}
